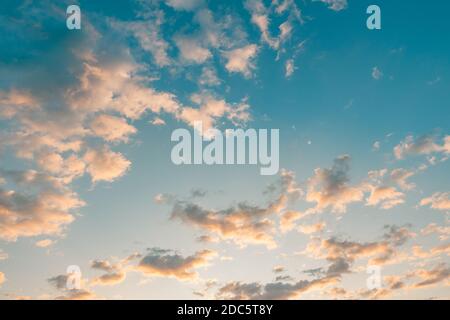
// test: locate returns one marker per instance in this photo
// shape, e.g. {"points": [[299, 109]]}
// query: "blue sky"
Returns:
{"points": [[86, 177]]}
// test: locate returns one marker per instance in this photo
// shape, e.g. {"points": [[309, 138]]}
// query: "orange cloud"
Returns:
{"points": [[105, 165]]}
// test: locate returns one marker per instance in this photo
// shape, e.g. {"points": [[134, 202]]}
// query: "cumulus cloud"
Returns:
{"points": [[383, 187], [386, 197], [2, 278], [443, 232], [289, 68], [209, 77], [155, 262], [3, 255], [329, 188], [191, 50], [336, 5], [44, 243], [112, 128], [241, 60], [184, 4], [261, 18], [376, 73], [242, 224], [164, 263], [44, 211], [211, 109], [59, 283], [273, 290], [313, 228], [342, 254], [16, 101], [437, 201], [443, 249], [288, 219], [149, 36], [400, 175], [423, 145], [105, 164], [82, 294], [65, 95], [432, 277]]}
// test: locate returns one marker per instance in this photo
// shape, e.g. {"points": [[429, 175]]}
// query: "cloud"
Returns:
{"points": [[82, 294], [16, 101], [158, 122], [115, 273], [278, 269], [242, 224], [191, 50], [419, 252], [313, 228], [3, 255], [44, 243], [431, 277], [209, 77], [59, 282], [111, 128], [54, 104], [259, 16], [105, 165], [423, 145], [273, 290], [329, 188], [289, 68], [45, 211], [336, 5], [383, 187], [442, 231], [287, 221], [342, 254], [399, 176], [438, 201], [386, 197], [376, 146], [149, 36], [211, 109], [155, 262], [376, 73], [184, 4], [241, 60], [2, 278], [163, 263]]}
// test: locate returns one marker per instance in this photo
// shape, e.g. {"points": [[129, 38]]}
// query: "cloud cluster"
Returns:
{"points": [[155, 262], [437, 201], [273, 290], [329, 188], [336, 5], [163, 263], [66, 107], [423, 145], [44, 209], [242, 224], [342, 254]]}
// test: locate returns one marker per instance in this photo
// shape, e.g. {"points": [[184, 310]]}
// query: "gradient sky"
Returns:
{"points": [[86, 177]]}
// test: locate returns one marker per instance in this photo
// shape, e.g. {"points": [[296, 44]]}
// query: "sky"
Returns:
{"points": [[87, 182]]}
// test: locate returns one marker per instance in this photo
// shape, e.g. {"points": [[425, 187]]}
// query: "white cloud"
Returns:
{"points": [[105, 165], [376, 73], [191, 50], [241, 60], [336, 5]]}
